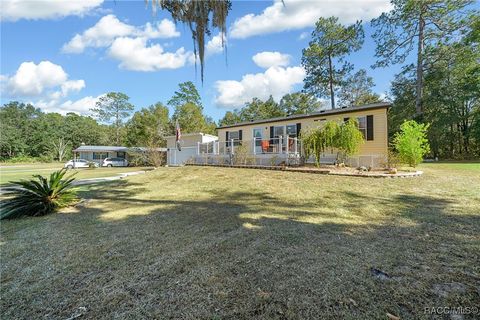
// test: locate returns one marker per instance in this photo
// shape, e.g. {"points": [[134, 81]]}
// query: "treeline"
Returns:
{"points": [[27, 132], [440, 88], [450, 97]]}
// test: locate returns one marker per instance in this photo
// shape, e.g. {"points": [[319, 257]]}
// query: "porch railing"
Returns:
{"points": [[258, 146]]}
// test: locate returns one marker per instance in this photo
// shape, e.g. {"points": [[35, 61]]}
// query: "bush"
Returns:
{"points": [[345, 138], [38, 196], [348, 139], [411, 142], [392, 160], [241, 155], [317, 140], [21, 159]]}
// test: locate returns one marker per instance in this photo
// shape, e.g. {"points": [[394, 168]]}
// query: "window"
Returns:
{"points": [[292, 130], [278, 131], [233, 135], [99, 155], [362, 126], [121, 155], [236, 136]]}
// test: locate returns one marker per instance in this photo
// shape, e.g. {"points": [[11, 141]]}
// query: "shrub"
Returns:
{"points": [[21, 159], [241, 155], [38, 196], [411, 142], [345, 138], [317, 140], [348, 139], [392, 160]]}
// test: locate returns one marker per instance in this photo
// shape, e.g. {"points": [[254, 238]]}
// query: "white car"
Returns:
{"points": [[115, 162], [78, 163]]}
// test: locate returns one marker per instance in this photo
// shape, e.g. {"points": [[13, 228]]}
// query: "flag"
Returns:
{"points": [[178, 135]]}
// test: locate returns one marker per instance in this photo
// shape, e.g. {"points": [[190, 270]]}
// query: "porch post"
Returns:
{"points": [[231, 143], [198, 148], [254, 146]]}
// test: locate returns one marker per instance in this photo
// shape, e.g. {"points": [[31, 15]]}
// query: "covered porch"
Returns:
{"points": [[271, 152]]}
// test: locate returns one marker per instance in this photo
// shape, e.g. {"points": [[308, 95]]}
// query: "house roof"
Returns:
{"points": [[114, 148], [343, 110], [101, 148]]}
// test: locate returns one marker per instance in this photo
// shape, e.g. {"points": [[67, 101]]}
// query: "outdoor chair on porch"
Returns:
{"points": [[265, 146]]}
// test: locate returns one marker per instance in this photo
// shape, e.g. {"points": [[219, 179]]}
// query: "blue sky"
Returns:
{"points": [[123, 54]]}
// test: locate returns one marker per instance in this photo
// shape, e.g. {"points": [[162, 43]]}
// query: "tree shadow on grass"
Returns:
{"points": [[242, 255]]}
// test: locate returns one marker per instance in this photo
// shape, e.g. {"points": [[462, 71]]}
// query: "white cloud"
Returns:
{"points": [[135, 54], [100, 35], [163, 29], [47, 84], [32, 79], [269, 59], [275, 81], [72, 86], [303, 35], [108, 28], [13, 10], [215, 44], [298, 14], [80, 106]]}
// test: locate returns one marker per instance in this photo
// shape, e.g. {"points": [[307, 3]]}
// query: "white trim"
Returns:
{"points": [[194, 134]]}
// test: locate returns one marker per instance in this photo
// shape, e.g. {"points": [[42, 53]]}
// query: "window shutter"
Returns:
{"points": [[240, 135], [299, 128], [271, 134], [226, 138], [369, 127], [345, 119]]}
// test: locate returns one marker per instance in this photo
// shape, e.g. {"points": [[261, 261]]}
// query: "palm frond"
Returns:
{"points": [[38, 196]]}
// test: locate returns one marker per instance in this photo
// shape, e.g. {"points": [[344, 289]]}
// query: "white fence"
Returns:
{"points": [[176, 157], [265, 152], [257, 146]]}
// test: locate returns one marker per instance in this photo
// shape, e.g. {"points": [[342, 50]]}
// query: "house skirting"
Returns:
{"points": [[374, 161]]}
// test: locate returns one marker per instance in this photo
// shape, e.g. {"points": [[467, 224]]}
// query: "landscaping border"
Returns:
{"points": [[314, 171]]}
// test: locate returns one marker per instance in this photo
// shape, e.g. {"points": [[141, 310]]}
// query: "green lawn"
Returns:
{"points": [[221, 243], [16, 172]]}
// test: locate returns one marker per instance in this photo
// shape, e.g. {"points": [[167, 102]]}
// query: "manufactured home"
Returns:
{"points": [[278, 140], [282, 136]]}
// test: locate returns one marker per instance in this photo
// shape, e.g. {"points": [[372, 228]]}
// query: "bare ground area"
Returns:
{"points": [[223, 243]]}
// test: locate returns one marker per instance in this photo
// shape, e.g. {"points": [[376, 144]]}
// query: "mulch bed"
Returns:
{"points": [[331, 171]]}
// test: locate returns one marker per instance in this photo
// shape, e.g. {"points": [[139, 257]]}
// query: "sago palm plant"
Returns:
{"points": [[38, 196]]}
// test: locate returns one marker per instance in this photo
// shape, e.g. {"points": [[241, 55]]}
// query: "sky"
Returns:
{"points": [[62, 55]]}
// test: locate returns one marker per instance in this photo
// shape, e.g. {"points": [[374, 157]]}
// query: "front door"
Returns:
{"points": [[258, 136]]}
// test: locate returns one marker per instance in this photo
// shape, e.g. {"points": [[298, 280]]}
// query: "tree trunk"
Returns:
{"points": [[419, 90], [330, 71], [452, 149], [117, 129]]}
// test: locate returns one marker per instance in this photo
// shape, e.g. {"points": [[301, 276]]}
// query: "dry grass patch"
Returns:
{"points": [[223, 243]]}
